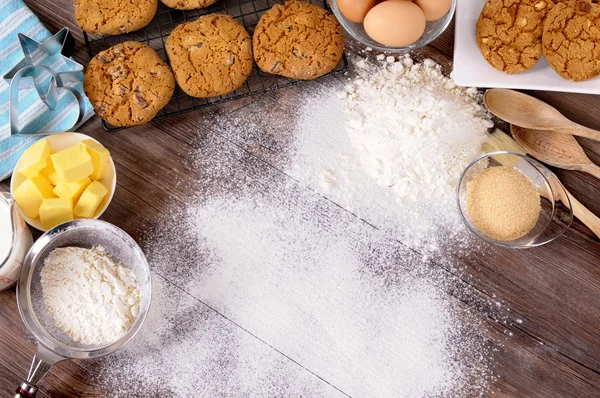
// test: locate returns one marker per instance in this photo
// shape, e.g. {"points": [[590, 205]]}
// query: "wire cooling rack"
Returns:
{"points": [[247, 12]]}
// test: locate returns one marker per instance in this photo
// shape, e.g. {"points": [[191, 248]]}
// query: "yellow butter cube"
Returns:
{"points": [[71, 190], [34, 158], [55, 211], [90, 200], [31, 193], [100, 157], [49, 172], [73, 164]]}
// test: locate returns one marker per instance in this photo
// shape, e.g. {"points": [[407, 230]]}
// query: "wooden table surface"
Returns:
{"points": [[554, 290]]}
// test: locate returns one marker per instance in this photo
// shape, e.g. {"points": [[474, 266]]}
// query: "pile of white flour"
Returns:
{"points": [[89, 297], [392, 146], [414, 129]]}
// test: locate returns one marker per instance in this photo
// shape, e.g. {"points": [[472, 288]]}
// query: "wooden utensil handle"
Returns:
{"points": [[592, 169], [585, 215], [584, 132]]}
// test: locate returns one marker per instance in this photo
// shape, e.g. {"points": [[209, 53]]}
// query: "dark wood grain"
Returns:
{"points": [[555, 290]]}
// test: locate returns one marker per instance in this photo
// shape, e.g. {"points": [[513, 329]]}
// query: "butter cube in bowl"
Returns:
{"points": [[63, 177]]}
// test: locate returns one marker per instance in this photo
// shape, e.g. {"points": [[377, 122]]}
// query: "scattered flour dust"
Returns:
{"points": [[188, 350], [266, 289], [92, 299], [329, 307], [311, 289], [391, 147]]}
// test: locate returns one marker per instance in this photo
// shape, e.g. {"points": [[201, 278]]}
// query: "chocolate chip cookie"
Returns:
{"points": [[113, 17], [188, 4], [210, 56], [298, 40], [128, 84], [572, 40], [509, 33]]}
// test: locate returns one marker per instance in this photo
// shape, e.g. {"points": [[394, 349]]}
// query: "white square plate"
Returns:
{"points": [[471, 69]]}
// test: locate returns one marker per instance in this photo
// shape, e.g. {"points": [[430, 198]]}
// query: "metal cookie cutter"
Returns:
{"points": [[25, 74]]}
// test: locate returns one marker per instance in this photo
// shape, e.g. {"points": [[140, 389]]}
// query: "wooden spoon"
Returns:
{"points": [[559, 150], [526, 111]]}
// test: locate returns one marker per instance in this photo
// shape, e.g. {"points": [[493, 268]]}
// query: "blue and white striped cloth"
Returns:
{"points": [[16, 18]]}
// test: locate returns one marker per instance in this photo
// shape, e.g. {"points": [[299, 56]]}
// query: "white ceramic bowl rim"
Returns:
{"points": [[35, 223]]}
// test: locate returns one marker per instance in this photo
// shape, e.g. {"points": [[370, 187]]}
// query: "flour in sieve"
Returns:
{"points": [[89, 297]]}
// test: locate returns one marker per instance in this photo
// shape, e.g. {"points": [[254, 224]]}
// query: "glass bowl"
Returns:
{"points": [[85, 233], [433, 30], [53, 344], [556, 212]]}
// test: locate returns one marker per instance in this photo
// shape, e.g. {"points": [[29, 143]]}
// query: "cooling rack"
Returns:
{"points": [[247, 12]]}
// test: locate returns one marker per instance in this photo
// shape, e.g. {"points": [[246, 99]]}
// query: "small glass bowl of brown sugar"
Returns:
{"points": [[511, 200]]}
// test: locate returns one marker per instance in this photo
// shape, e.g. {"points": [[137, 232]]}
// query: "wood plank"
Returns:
{"points": [[540, 363], [554, 291], [527, 291]]}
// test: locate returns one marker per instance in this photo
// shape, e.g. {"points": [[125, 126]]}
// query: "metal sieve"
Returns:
{"points": [[53, 345]]}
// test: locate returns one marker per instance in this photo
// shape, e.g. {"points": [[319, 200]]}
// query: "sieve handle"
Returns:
{"points": [[43, 360], [26, 390]]}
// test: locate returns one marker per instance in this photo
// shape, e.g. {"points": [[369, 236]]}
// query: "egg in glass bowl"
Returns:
{"points": [[394, 25]]}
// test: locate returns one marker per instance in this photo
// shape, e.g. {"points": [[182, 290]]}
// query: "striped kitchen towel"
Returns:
{"points": [[16, 18]]}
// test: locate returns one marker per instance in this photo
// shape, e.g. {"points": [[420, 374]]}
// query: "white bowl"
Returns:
{"points": [[59, 142]]}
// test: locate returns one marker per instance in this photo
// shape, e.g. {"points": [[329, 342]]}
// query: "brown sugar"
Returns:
{"points": [[502, 203]]}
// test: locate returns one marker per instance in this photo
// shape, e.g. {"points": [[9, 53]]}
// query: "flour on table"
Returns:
{"points": [[90, 297], [313, 289], [272, 290], [330, 295], [186, 349], [391, 147]]}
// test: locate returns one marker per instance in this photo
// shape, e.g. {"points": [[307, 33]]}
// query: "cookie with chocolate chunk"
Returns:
{"points": [[298, 40], [128, 84], [211, 56], [509, 33], [113, 17], [572, 40]]}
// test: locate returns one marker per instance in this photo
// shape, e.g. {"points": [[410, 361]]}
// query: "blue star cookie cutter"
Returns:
{"points": [[35, 71]]}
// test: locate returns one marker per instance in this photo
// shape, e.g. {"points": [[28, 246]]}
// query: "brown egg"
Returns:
{"points": [[395, 23], [355, 10], [434, 9]]}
